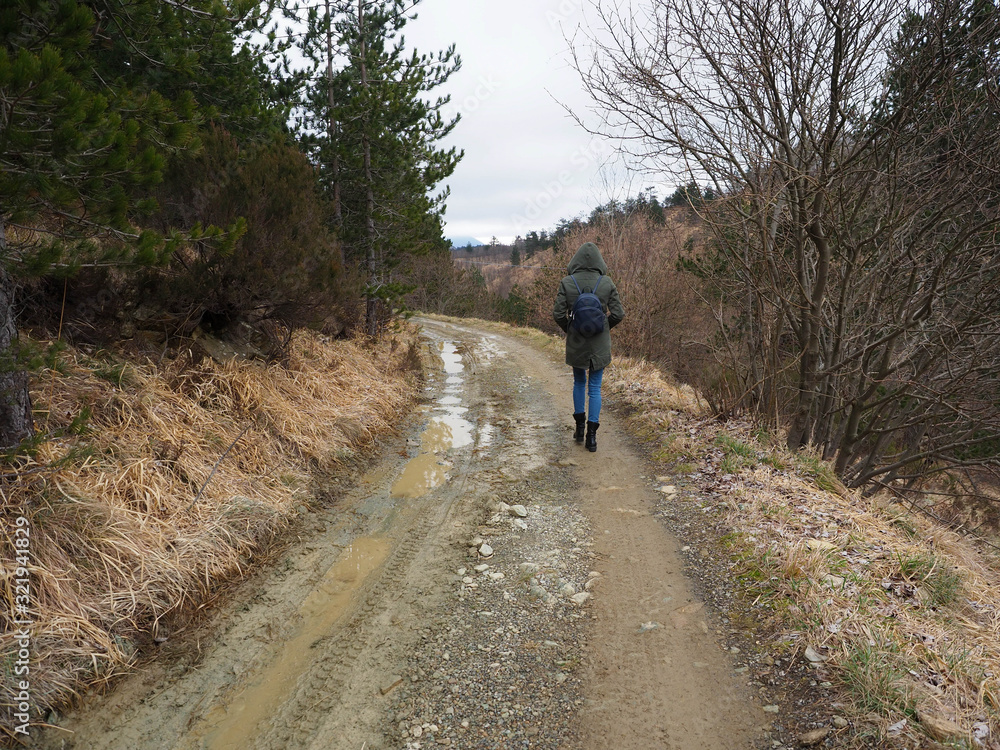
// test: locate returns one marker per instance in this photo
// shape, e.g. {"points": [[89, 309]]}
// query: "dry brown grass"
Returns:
{"points": [[904, 613], [117, 546], [637, 381]]}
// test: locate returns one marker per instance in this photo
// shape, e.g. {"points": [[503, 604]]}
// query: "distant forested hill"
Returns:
{"points": [[460, 242]]}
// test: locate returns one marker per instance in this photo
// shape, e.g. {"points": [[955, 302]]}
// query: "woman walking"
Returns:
{"points": [[588, 333]]}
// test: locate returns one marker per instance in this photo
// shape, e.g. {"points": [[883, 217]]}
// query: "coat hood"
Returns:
{"points": [[588, 258]]}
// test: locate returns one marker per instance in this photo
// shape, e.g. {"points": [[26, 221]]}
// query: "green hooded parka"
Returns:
{"points": [[587, 267]]}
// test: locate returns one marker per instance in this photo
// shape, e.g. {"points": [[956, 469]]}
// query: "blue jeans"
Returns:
{"points": [[582, 388]]}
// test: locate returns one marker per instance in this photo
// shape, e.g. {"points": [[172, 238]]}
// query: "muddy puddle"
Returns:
{"points": [[235, 723], [232, 725], [448, 427]]}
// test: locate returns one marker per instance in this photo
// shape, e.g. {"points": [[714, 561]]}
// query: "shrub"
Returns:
{"points": [[286, 266]]}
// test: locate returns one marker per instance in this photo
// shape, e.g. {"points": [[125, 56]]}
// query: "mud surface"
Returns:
{"points": [[490, 584]]}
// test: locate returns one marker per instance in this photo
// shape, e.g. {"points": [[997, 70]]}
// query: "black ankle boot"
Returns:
{"points": [[592, 436], [581, 420]]}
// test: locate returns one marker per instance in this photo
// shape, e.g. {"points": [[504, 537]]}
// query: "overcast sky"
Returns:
{"points": [[527, 164]]}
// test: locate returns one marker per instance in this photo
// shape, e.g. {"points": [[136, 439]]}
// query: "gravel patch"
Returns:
{"points": [[500, 668]]}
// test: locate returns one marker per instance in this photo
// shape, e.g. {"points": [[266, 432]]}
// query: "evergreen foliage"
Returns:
{"points": [[95, 98], [365, 116], [645, 204], [286, 263]]}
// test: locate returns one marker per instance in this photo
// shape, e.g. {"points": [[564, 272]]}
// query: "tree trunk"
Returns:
{"points": [[803, 422], [371, 306], [16, 423], [338, 215]]}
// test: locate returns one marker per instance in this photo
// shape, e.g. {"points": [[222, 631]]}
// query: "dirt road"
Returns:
{"points": [[489, 584]]}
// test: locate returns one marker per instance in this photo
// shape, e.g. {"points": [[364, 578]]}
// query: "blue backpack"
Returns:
{"points": [[587, 317]]}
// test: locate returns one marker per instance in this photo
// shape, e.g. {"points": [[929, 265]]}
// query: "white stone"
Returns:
{"points": [[486, 550], [580, 598], [482, 568], [517, 523], [416, 730], [834, 581], [567, 589], [820, 545], [814, 656], [497, 576], [519, 510]]}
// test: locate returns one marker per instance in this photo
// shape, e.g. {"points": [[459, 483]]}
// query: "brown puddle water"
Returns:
{"points": [[232, 726], [426, 471], [447, 429]]}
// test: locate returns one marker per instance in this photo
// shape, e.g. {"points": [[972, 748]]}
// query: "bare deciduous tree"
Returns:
{"points": [[854, 248]]}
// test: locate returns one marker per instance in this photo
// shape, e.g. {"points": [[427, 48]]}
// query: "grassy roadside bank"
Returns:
{"points": [[181, 474], [893, 618]]}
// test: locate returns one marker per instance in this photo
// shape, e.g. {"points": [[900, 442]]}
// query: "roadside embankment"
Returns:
{"points": [[880, 625], [157, 482]]}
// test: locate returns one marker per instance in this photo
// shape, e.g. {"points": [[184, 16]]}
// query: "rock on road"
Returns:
{"points": [[490, 584]]}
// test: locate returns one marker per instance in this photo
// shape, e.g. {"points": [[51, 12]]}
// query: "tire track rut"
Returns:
{"points": [[326, 687]]}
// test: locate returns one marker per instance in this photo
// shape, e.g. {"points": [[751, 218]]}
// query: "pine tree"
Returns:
{"points": [[94, 97], [367, 122], [284, 267]]}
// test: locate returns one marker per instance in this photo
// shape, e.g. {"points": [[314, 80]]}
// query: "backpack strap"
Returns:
{"points": [[580, 291]]}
